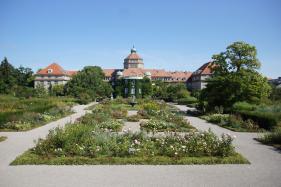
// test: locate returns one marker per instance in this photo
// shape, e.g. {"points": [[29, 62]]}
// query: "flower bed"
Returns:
{"points": [[232, 122], [157, 125], [163, 118], [272, 138], [80, 144], [26, 114]]}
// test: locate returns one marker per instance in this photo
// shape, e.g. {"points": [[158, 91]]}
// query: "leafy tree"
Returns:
{"points": [[276, 93], [235, 78], [169, 92], [13, 81], [57, 90], [159, 90], [40, 91], [8, 78], [177, 91], [90, 81], [24, 76]]}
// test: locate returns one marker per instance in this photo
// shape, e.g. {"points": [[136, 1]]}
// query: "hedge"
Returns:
{"points": [[187, 100], [265, 120]]}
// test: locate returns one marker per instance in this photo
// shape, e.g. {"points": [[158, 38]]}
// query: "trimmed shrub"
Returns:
{"points": [[243, 106], [187, 100]]}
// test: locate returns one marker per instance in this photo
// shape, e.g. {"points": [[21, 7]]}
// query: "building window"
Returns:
{"points": [[50, 71]]}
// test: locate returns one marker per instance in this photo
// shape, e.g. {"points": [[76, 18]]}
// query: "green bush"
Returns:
{"points": [[187, 100], [2, 138], [84, 98], [264, 120], [243, 106], [272, 138], [232, 122], [216, 118]]}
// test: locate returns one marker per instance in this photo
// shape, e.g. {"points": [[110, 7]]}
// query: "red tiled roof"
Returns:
{"points": [[181, 74], [56, 70], [205, 69], [71, 73], [133, 56], [156, 73], [138, 72], [108, 72]]}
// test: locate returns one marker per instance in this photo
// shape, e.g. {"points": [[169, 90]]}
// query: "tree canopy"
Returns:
{"points": [[89, 82], [14, 80], [235, 77]]}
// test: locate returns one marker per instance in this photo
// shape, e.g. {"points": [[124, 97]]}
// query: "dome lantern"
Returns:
{"points": [[133, 50]]}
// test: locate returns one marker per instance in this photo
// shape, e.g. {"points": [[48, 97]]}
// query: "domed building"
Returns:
{"points": [[133, 60], [132, 73], [134, 69]]}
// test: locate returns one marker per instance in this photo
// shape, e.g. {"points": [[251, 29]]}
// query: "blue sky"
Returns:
{"points": [[171, 34]]}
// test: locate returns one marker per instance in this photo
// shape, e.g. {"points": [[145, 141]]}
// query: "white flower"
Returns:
{"points": [[176, 153], [132, 150], [136, 142]]}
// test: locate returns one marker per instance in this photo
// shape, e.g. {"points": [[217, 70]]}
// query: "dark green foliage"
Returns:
{"points": [[235, 78], [88, 81], [143, 88], [146, 87], [84, 98], [14, 81], [266, 116], [8, 78], [57, 90], [239, 106], [264, 120], [170, 92], [187, 100], [275, 94]]}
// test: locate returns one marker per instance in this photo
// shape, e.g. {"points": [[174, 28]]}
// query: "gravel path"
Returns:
{"points": [[131, 126], [264, 170]]}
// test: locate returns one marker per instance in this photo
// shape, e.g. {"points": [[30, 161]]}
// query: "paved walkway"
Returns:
{"points": [[264, 170], [131, 126]]}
